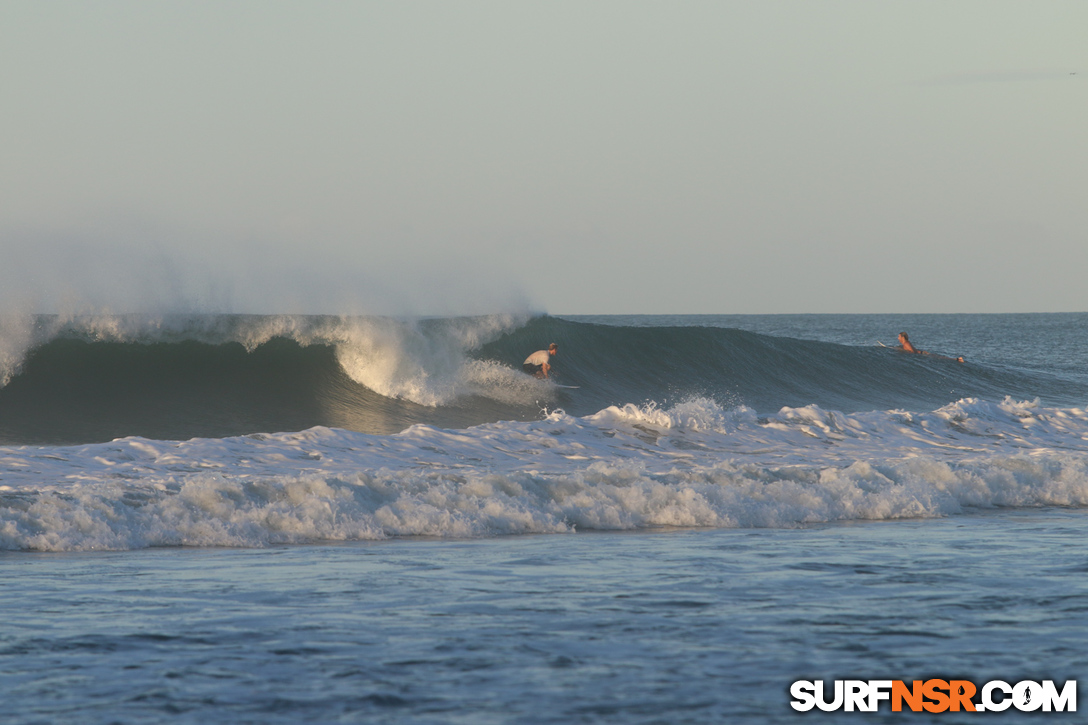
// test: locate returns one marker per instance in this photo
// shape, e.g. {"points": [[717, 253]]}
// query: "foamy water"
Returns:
{"points": [[694, 464]]}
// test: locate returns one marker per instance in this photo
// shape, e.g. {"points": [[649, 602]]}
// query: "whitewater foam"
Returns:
{"points": [[629, 467]]}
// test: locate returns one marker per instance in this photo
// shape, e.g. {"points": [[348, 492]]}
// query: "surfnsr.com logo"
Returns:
{"points": [[934, 696]]}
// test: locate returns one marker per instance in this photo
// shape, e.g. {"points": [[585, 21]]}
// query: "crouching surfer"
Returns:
{"points": [[906, 346], [538, 364]]}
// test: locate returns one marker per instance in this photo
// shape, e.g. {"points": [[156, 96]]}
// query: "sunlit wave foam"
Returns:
{"points": [[625, 467]]}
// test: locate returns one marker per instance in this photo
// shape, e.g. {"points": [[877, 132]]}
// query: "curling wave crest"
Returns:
{"points": [[420, 360]]}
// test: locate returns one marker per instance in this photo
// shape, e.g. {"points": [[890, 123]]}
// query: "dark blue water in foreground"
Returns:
{"points": [[677, 627]]}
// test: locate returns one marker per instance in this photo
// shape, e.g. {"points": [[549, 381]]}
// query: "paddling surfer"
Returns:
{"points": [[538, 364], [906, 346]]}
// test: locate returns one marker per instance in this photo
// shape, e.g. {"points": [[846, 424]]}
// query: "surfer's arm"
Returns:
{"points": [[545, 367]]}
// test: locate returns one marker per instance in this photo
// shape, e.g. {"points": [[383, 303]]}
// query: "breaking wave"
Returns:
{"points": [[629, 467], [86, 379]]}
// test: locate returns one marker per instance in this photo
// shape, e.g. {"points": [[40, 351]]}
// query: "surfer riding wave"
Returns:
{"points": [[538, 364]]}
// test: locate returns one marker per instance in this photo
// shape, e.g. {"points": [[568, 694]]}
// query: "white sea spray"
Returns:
{"points": [[415, 359]]}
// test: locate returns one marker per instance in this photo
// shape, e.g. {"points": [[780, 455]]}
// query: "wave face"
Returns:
{"points": [[616, 364], [89, 379]]}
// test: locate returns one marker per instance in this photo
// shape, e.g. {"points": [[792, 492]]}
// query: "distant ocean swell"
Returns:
{"points": [[86, 379], [695, 464]]}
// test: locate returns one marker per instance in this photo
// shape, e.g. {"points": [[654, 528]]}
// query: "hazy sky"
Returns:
{"points": [[573, 157]]}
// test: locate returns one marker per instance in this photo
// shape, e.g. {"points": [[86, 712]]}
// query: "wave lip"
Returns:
{"points": [[85, 379], [414, 359], [97, 378], [629, 467]]}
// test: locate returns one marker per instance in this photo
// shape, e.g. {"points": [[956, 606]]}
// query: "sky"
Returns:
{"points": [[569, 157]]}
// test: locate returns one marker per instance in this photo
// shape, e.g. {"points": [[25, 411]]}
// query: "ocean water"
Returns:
{"points": [[284, 519]]}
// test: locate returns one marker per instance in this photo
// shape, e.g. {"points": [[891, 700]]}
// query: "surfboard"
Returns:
{"points": [[568, 387]]}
